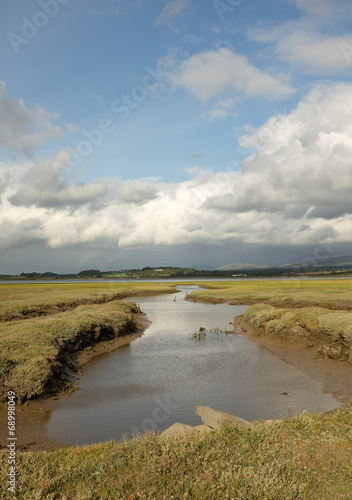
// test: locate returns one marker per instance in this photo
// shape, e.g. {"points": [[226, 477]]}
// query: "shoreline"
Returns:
{"points": [[335, 375], [33, 415]]}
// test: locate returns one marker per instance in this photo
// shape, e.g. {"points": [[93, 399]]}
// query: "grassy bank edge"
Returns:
{"points": [[24, 301], [329, 294], [40, 345]]}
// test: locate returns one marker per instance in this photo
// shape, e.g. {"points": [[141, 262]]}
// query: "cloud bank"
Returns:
{"points": [[294, 189], [308, 44]]}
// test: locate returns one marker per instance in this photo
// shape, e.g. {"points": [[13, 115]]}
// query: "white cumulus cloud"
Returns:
{"points": [[210, 73], [294, 189], [44, 185]]}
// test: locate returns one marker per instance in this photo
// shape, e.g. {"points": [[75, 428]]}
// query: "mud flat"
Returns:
{"points": [[334, 374], [33, 415]]}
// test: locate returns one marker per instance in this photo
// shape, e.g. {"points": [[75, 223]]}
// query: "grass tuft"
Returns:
{"points": [[307, 457]]}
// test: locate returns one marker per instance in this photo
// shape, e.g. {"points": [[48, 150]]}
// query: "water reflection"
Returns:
{"points": [[160, 378]]}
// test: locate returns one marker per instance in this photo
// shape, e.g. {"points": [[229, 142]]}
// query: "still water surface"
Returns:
{"points": [[160, 378]]}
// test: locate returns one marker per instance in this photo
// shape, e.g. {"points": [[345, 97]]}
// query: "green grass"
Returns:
{"points": [[20, 300], [322, 308], [292, 293], [59, 318], [307, 457], [319, 326], [30, 349], [335, 325]]}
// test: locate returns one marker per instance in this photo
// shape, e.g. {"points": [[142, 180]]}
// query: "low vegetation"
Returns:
{"points": [[314, 324], [43, 323], [306, 457], [332, 294], [31, 350], [317, 311], [19, 301]]}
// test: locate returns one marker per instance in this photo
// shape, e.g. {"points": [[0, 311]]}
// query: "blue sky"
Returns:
{"points": [[176, 132]]}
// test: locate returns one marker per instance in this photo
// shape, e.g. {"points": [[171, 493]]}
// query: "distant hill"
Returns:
{"points": [[338, 262], [341, 265], [237, 266]]}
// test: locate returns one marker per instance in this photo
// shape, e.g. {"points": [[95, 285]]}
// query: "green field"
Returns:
{"points": [[23, 300]]}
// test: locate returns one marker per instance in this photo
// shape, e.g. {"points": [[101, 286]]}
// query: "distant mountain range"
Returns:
{"points": [[341, 261]]}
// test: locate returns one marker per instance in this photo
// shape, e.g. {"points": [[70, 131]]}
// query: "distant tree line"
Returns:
{"points": [[90, 273], [182, 272], [48, 275]]}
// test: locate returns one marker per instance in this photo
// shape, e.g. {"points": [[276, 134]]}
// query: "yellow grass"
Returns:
{"points": [[294, 293], [307, 457], [17, 300], [57, 323]]}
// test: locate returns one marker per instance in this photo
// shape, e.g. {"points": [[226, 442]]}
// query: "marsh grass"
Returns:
{"points": [[54, 319], [321, 324], [316, 309], [306, 457], [30, 349], [333, 294], [18, 301]]}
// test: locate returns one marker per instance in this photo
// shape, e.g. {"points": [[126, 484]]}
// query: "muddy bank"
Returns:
{"points": [[55, 342], [334, 374], [73, 356]]}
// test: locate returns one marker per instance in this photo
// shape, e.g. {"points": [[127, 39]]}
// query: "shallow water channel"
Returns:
{"points": [[160, 378]]}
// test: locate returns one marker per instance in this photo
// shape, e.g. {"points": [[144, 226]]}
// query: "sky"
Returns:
{"points": [[200, 133]]}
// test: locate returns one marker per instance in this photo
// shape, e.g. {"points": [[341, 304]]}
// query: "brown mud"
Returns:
{"points": [[32, 416], [298, 350], [309, 356]]}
